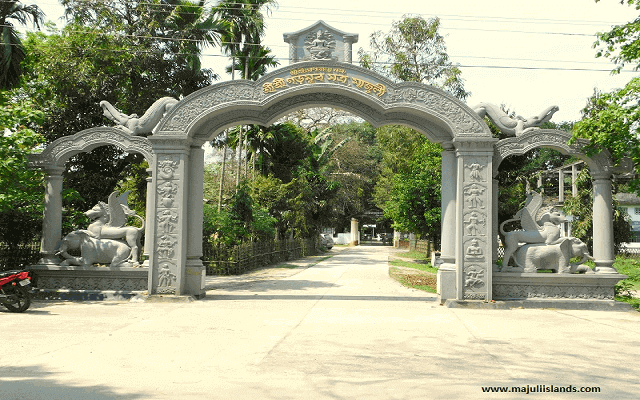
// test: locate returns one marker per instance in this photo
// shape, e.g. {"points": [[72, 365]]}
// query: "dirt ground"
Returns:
{"points": [[413, 277]]}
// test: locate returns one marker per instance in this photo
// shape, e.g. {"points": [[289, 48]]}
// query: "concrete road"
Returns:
{"points": [[341, 329]]}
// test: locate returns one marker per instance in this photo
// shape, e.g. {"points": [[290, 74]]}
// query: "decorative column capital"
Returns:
{"points": [[52, 170], [601, 176], [474, 145]]}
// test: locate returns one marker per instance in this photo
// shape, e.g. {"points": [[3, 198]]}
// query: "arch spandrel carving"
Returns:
{"points": [[58, 152], [361, 91], [553, 139]]}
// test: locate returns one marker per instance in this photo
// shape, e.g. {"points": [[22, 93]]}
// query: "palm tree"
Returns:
{"points": [[242, 40], [254, 61], [192, 29], [12, 49]]}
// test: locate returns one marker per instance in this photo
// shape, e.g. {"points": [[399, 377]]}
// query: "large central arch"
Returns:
{"points": [[442, 118], [437, 114]]}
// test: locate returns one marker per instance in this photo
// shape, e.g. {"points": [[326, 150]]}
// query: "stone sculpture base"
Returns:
{"points": [[550, 286], [89, 283], [558, 304]]}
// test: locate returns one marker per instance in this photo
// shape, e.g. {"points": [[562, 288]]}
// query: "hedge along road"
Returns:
{"points": [[340, 329]]}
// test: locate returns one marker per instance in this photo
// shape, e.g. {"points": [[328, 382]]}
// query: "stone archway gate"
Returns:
{"points": [[174, 200], [177, 141]]}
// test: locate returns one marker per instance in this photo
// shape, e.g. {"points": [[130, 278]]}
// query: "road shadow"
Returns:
{"points": [[33, 382], [297, 297]]}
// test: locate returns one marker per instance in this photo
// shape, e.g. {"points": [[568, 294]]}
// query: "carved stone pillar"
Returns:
{"points": [[447, 271], [448, 207], [354, 232], [474, 217], [52, 217], [348, 48], [603, 223], [195, 270], [148, 217], [494, 252], [560, 185], [168, 228]]}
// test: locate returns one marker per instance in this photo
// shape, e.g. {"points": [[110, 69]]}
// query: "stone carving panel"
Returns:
{"points": [[166, 278], [525, 291], [476, 226], [430, 100], [462, 121], [203, 101], [167, 223]]}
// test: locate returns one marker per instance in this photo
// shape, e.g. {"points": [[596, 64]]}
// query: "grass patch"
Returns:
{"points": [[416, 255], [409, 264], [424, 282], [631, 268], [632, 301]]}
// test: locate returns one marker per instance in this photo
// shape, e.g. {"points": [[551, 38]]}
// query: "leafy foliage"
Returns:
{"points": [[622, 43], [414, 51], [11, 49], [409, 187], [129, 53], [610, 121], [21, 188]]}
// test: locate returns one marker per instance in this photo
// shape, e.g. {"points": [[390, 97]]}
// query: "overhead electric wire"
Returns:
{"points": [[480, 19], [314, 10]]}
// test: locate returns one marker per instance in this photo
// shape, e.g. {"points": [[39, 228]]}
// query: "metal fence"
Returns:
{"points": [[250, 256], [20, 256]]}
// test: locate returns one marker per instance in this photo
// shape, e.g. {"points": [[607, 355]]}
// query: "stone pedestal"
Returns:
{"points": [[519, 286], [446, 286], [89, 283]]}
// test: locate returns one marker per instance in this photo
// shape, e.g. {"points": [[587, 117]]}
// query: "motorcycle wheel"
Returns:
{"points": [[23, 300]]}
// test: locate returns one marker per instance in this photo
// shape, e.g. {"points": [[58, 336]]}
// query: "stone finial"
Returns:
{"points": [[320, 42]]}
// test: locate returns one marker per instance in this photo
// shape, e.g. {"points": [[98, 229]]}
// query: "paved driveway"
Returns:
{"points": [[341, 329]]}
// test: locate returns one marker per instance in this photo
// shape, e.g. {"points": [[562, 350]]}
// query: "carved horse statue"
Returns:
{"points": [[108, 223]]}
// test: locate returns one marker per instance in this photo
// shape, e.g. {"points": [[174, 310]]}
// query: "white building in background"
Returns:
{"points": [[630, 203]]}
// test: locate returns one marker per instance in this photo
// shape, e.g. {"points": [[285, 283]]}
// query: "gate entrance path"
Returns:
{"points": [[340, 329]]}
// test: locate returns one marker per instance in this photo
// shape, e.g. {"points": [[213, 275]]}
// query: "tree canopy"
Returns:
{"points": [[610, 120], [414, 51]]}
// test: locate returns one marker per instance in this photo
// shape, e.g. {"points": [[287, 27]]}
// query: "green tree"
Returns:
{"points": [[414, 51], [13, 51], [21, 188], [244, 31], [127, 52], [622, 43], [409, 186], [610, 121]]}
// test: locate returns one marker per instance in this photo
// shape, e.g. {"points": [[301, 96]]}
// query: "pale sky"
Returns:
{"points": [[478, 34]]}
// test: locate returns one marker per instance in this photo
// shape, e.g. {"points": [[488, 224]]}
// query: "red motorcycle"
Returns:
{"points": [[15, 289]]}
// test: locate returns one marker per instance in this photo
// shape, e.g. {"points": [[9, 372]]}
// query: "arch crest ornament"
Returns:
{"points": [[370, 95], [61, 149]]}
